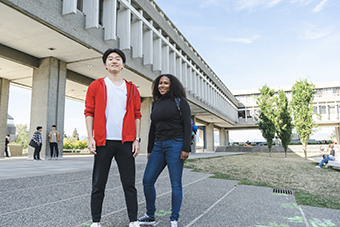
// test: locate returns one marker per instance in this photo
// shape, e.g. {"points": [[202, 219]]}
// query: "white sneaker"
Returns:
{"points": [[134, 224], [317, 167], [174, 223], [95, 225]]}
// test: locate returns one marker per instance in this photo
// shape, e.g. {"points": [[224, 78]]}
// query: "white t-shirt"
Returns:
{"points": [[115, 109]]}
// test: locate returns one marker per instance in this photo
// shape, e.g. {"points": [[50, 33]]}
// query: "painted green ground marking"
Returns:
{"points": [[162, 213], [321, 223], [291, 205], [280, 194], [296, 219], [89, 224], [273, 224]]}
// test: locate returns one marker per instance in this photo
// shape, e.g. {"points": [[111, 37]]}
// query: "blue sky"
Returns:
{"points": [[273, 42], [247, 43]]}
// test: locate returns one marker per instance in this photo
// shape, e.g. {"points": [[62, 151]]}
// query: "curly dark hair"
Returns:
{"points": [[176, 88]]}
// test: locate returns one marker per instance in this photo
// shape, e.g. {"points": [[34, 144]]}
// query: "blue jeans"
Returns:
{"points": [[325, 160], [164, 153]]}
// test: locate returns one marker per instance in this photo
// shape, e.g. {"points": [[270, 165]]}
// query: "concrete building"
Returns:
{"points": [[55, 49], [326, 103]]}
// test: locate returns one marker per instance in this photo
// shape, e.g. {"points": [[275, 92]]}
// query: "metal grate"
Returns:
{"points": [[283, 191]]}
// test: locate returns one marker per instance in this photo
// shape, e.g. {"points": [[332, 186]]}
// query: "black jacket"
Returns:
{"points": [[167, 123]]}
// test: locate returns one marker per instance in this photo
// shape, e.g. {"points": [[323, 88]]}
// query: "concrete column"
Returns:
{"points": [[91, 10], [148, 46], [179, 68], [110, 19], [189, 79], [157, 54], [165, 58], [337, 136], [137, 37], [69, 6], [172, 63], [124, 27], [145, 126], [210, 137], [223, 139], [193, 146], [227, 137], [48, 102], [184, 74], [4, 95]]}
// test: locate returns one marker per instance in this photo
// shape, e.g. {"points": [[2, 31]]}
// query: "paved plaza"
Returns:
{"points": [[57, 193]]}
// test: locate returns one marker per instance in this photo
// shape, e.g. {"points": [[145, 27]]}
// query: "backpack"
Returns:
{"points": [[193, 126]]}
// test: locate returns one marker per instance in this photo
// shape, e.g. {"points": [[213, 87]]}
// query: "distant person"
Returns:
{"points": [[54, 139], [38, 139], [113, 120], [168, 145], [328, 157], [6, 145]]}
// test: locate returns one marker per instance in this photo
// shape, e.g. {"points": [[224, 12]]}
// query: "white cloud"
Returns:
{"points": [[242, 40], [250, 5], [313, 32], [320, 6]]}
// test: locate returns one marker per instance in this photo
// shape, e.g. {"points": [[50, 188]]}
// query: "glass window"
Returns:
{"points": [[322, 109]]}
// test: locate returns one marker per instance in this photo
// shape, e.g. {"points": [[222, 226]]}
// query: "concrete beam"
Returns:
{"points": [[78, 78], [18, 56]]}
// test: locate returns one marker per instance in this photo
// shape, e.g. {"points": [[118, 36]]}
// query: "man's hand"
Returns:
{"points": [[184, 155], [92, 146], [147, 157], [135, 148]]}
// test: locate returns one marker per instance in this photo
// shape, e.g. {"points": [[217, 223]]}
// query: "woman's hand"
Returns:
{"points": [[184, 155]]}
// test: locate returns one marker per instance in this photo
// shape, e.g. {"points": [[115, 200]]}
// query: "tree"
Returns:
{"points": [[22, 136], [283, 120], [75, 134], [266, 116], [302, 105]]}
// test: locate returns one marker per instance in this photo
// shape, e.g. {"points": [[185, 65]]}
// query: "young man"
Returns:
{"points": [[54, 139], [37, 138], [113, 119]]}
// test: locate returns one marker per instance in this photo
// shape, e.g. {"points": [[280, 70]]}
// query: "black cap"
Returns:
{"points": [[117, 51]]}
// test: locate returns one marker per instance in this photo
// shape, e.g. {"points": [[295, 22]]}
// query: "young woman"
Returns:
{"points": [[168, 145]]}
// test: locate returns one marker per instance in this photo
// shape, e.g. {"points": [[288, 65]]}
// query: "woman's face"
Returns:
{"points": [[164, 85]]}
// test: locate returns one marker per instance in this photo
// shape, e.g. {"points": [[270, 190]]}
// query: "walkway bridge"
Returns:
{"points": [[55, 49]]}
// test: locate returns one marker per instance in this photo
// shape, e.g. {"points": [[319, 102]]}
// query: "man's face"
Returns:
{"points": [[53, 128], [40, 130], [114, 63]]}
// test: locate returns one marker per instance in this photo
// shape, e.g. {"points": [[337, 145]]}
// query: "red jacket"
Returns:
{"points": [[95, 105]]}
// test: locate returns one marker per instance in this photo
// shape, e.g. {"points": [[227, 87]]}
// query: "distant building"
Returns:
{"points": [[11, 129]]}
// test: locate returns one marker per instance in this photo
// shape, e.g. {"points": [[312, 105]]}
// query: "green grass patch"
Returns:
{"points": [[311, 186]]}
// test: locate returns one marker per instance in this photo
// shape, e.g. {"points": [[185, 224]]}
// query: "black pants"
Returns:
{"points": [[55, 145], [37, 150], [127, 170], [6, 151]]}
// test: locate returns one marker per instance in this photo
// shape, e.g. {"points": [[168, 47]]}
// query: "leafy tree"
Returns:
{"points": [[22, 136], [75, 134], [265, 119], [283, 120], [302, 105]]}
